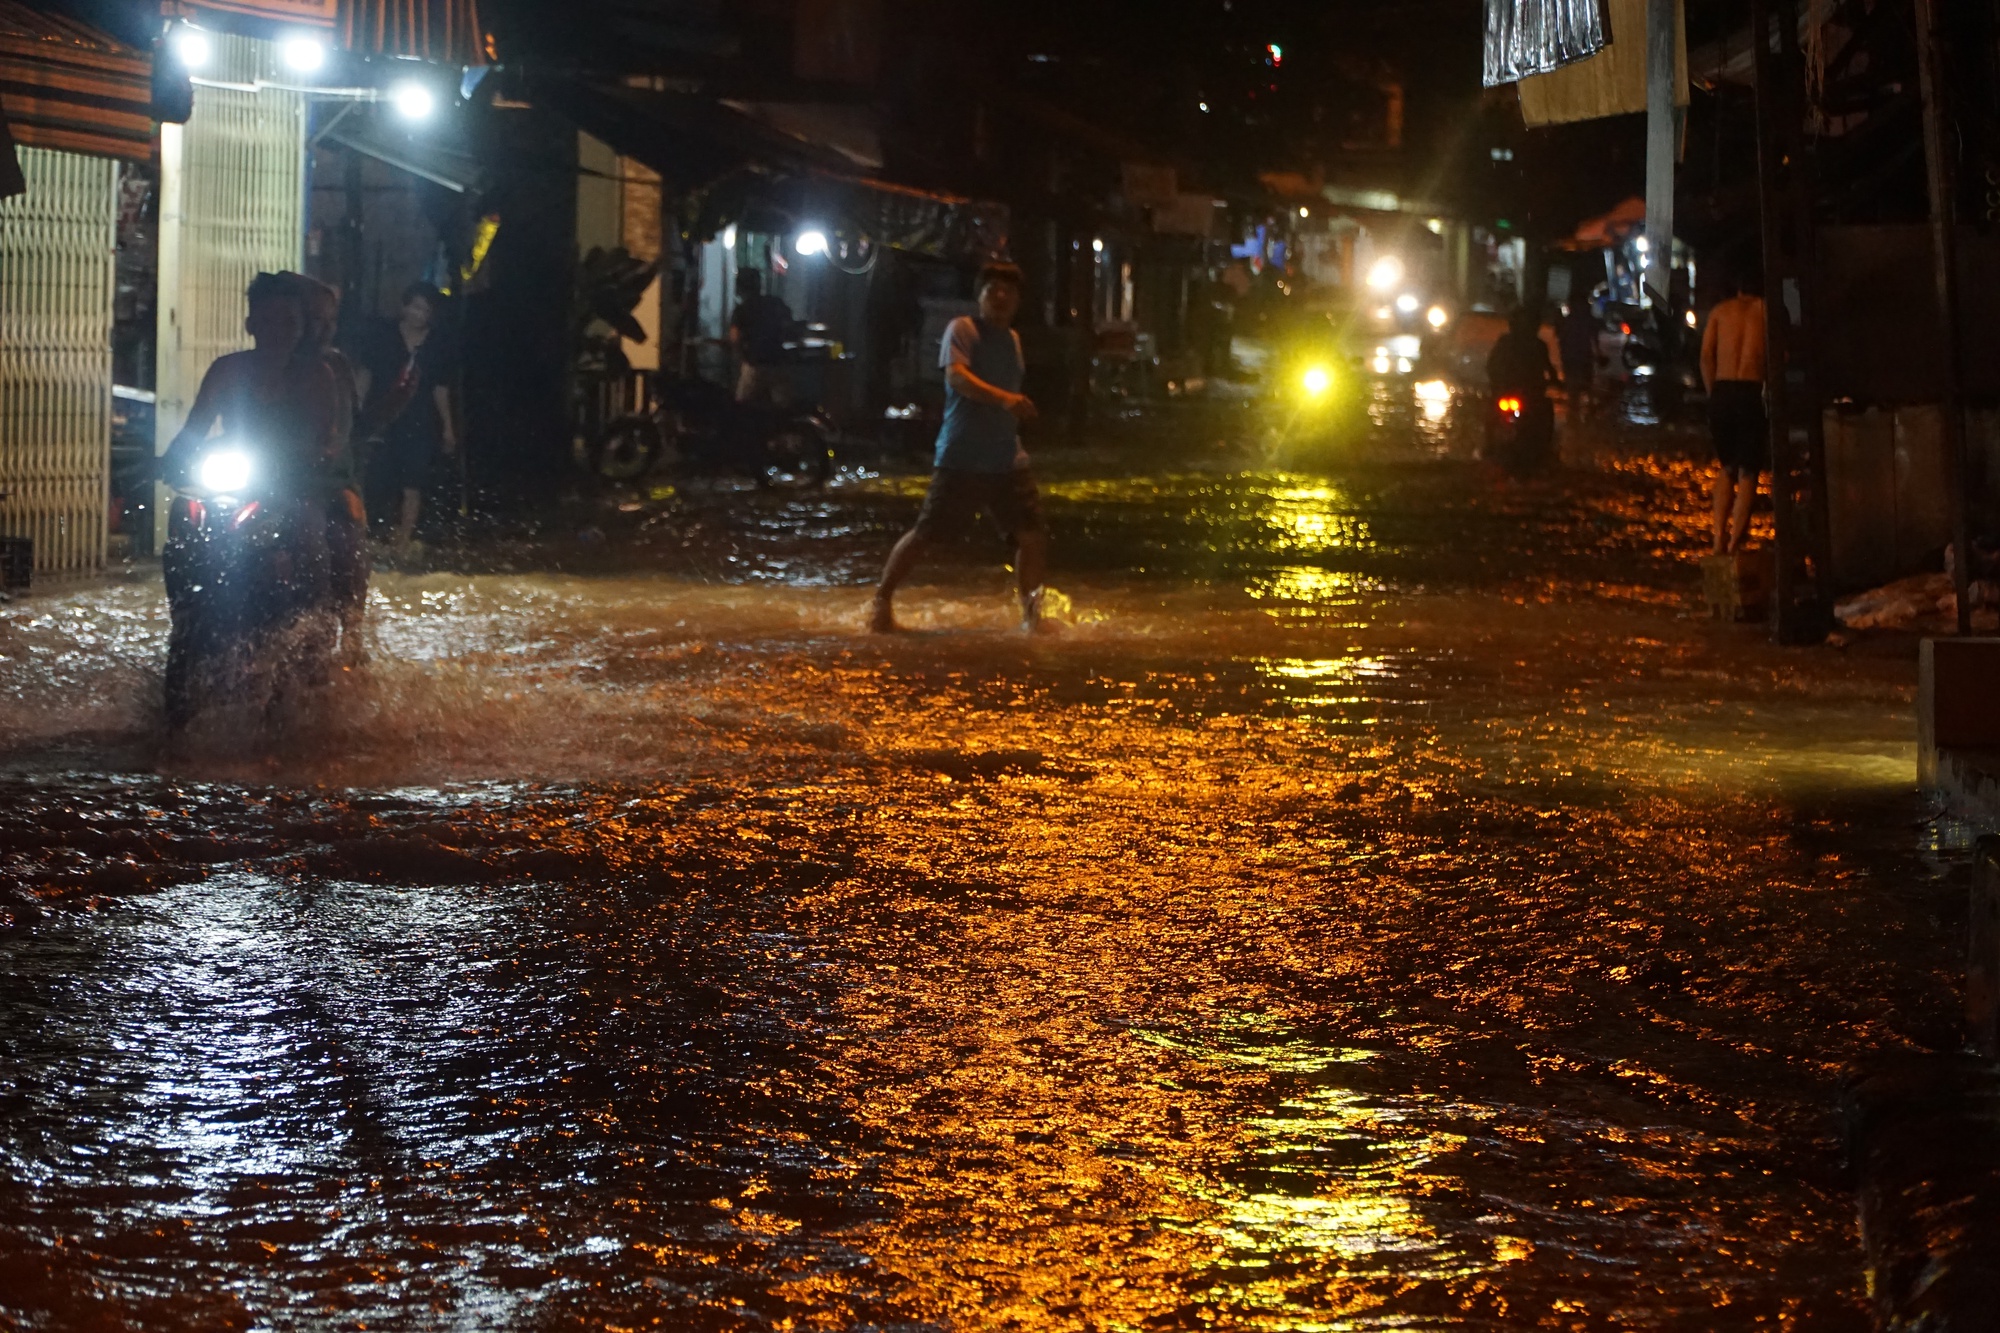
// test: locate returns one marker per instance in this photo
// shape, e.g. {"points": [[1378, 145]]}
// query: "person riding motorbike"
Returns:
{"points": [[278, 402], [273, 410], [1519, 370]]}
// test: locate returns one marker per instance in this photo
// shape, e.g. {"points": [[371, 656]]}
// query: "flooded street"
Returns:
{"points": [[1388, 905]]}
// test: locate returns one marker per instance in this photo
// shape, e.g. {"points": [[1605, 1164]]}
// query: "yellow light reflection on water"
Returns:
{"points": [[1310, 520], [1320, 1219], [1303, 583]]}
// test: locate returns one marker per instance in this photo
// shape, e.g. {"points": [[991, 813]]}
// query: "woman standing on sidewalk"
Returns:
{"points": [[406, 378]]}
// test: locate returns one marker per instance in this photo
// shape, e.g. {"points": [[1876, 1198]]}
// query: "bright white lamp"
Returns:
{"points": [[413, 101], [193, 49]]}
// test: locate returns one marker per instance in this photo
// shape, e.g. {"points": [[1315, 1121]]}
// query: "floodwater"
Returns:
{"points": [[1388, 905]]}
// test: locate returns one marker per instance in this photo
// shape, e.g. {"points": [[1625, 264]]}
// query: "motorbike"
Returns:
{"points": [[247, 588], [1520, 431], [700, 427]]}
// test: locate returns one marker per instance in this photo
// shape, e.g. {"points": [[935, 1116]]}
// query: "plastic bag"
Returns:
{"points": [[1535, 36]]}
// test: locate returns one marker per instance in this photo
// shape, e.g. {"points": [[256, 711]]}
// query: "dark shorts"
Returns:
{"points": [[401, 463], [1736, 419], [956, 498]]}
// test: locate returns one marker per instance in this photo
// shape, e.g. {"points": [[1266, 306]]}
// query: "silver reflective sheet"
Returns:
{"points": [[1535, 36]]}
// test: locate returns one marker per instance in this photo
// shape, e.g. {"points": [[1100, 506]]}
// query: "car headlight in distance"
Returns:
{"points": [[1438, 317], [223, 471], [1408, 303], [1316, 381], [1386, 274]]}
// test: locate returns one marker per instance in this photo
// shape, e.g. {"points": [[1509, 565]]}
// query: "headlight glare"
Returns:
{"points": [[224, 471]]}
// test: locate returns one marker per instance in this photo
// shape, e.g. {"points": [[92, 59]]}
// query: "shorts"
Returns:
{"points": [[401, 463], [1736, 420], [957, 497]]}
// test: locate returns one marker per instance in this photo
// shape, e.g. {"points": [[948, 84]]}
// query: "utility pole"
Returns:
{"points": [[1944, 261]]}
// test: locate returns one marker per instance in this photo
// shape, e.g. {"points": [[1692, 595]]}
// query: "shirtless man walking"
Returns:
{"points": [[1732, 367], [980, 464]]}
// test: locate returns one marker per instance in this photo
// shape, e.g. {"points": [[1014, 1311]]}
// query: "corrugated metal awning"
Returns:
{"points": [[744, 163], [439, 154], [67, 86], [444, 32]]}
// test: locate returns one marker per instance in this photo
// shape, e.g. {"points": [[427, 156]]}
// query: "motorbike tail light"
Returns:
{"points": [[1625, 330], [243, 514], [1512, 406]]}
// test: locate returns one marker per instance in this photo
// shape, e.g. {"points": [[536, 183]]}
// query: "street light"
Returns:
{"points": [[302, 55], [413, 101], [192, 48]]}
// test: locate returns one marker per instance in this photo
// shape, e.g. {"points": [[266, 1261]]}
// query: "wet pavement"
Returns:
{"points": [[1388, 905]]}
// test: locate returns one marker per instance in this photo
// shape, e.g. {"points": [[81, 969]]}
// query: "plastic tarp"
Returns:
{"points": [[1610, 83], [1526, 37]]}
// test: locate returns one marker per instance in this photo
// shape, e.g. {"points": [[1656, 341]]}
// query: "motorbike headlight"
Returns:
{"points": [[224, 471], [1439, 317], [1316, 381]]}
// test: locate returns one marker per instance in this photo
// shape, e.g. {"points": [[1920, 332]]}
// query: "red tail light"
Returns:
{"points": [[197, 512], [1625, 329], [1511, 406]]}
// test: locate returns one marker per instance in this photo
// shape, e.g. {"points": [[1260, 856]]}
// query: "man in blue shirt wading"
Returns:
{"points": [[980, 463]]}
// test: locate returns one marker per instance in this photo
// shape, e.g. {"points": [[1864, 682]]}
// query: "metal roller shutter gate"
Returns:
{"points": [[57, 276]]}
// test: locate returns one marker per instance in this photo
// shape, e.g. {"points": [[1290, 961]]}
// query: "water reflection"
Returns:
{"points": [[1383, 907]]}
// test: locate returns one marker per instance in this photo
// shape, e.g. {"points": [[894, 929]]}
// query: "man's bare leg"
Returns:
{"points": [[1724, 488], [1746, 496], [406, 518], [903, 558], [1031, 564]]}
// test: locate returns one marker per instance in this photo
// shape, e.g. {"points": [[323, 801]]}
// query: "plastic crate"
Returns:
{"points": [[17, 561]]}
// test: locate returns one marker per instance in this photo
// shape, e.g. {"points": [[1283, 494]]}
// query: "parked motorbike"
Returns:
{"points": [[247, 588], [700, 427], [1520, 431]]}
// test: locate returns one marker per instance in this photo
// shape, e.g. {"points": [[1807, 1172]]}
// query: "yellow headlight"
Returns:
{"points": [[1316, 381]]}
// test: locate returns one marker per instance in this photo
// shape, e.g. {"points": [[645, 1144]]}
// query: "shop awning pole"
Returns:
{"points": [[1944, 260]]}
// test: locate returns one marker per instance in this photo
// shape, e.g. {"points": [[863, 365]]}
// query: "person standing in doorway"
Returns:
{"points": [[980, 464], [405, 379], [1732, 369], [759, 328]]}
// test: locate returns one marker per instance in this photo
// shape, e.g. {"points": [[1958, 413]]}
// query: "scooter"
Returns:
{"points": [[700, 427], [1520, 431], [247, 588]]}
